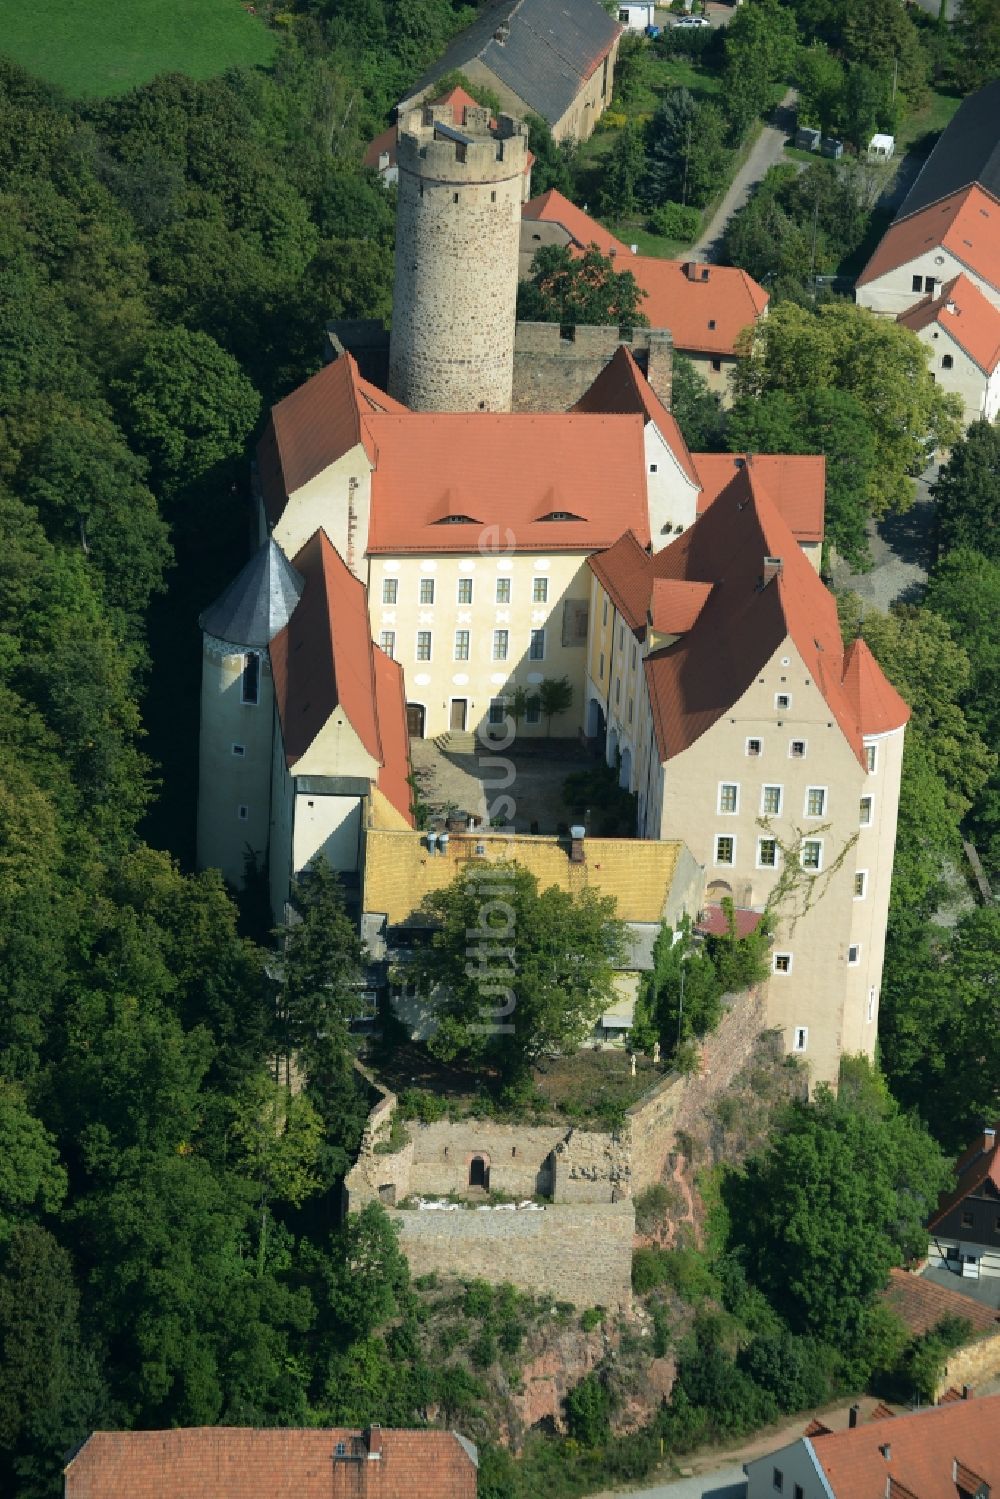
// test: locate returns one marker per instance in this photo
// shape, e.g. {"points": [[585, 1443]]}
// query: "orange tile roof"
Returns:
{"points": [[507, 471], [965, 315], [967, 224], [796, 484], [713, 923], [920, 1304], [621, 386], [223, 1462], [625, 572], [973, 1169], [553, 208], [390, 692], [693, 682], [877, 705], [920, 1452], [385, 141], [727, 298], [675, 605]]}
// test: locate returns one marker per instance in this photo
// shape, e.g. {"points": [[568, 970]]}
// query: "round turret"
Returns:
{"points": [[457, 230]]}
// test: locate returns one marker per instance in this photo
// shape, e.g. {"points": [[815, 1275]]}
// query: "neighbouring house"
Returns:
{"points": [[380, 153], [637, 17], [965, 1227], [539, 57], [231, 1462], [961, 328], [651, 882], [942, 1452], [705, 307]]}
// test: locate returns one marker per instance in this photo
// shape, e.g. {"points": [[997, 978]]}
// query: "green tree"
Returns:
{"points": [[698, 410], [584, 289], [708, 161], [819, 77], [31, 1177], [760, 48], [553, 166], [977, 31], [626, 165], [669, 137], [555, 695], [534, 976], [588, 1411], [965, 492]]}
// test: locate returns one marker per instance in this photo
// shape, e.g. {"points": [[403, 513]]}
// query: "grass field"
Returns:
{"points": [[93, 48]]}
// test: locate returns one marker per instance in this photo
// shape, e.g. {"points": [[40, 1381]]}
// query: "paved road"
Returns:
{"points": [[723, 1483], [767, 152]]}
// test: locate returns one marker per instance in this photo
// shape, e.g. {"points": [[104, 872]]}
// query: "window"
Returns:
{"points": [[778, 1479], [605, 620], [782, 962], [711, 322], [239, 750], [540, 591], [630, 710], [387, 640], [536, 650], [500, 643], [871, 1004], [967, 1220], [423, 645], [797, 749], [801, 1037], [770, 801], [717, 366], [242, 812], [754, 748], [465, 590], [250, 681], [533, 714], [427, 590], [729, 797], [797, 1492], [618, 690], [633, 655], [871, 758], [621, 637], [854, 955], [918, 283], [946, 362], [503, 590], [461, 645], [929, 283], [653, 468], [725, 849], [390, 590], [767, 853], [493, 197], [812, 854], [497, 713], [600, 671], [815, 801], [782, 700], [866, 811]]}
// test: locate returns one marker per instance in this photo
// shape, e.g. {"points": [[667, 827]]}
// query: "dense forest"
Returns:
{"points": [[170, 1250]]}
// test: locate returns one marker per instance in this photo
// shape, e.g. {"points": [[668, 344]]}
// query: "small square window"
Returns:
{"points": [[540, 591], [536, 650], [854, 955], [652, 468], [770, 801], [812, 854], [242, 812], [782, 962], [782, 700], [917, 284], [729, 797], [861, 884], [503, 590], [465, 590], [423, 645], [871, 757], [239, 750], [754, 748], [387, 640], [725, 849], [801, 1037], [390, 590], [501, 641], [461, 645], [866, 811], [797, 749], [967, 1220], [711, 322], [815, 801], [427, 590], [767, 853]]}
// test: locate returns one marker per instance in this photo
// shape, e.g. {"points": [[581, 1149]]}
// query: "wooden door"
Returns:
{"points": [[459, 713]]}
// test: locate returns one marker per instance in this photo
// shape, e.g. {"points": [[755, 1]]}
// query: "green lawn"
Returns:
{"points": [[93, 48], [929, 120]]}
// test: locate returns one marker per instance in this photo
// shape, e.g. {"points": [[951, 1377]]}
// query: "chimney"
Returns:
{"points": [[949, 306], [852, 1416], [432, 839], [577, 834], [373, 1442], [772, 569]]}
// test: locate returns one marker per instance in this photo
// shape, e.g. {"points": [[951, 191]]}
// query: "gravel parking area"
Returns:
{"points": [[480, 783], [901, 548]]}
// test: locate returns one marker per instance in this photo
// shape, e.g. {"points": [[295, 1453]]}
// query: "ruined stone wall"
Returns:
{"points": [[577, 1253], [552, 372], [972, 1365]]}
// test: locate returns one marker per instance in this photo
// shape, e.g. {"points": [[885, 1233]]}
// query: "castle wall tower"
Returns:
{"points": [[237, 711], [457, 231]]}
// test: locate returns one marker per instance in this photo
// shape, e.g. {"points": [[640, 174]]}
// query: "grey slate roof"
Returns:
{"points": [[968, 152], [258, 602], [550, 50]]}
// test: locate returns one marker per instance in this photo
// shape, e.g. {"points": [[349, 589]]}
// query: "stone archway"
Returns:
{"points": [[479, 1172]]}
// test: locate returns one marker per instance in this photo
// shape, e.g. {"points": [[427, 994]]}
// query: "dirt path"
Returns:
{"points": [[766, 152]]}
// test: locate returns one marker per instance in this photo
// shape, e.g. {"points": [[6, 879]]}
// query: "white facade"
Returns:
{"points": [[898, 289], [637, 17], [957, 372]]}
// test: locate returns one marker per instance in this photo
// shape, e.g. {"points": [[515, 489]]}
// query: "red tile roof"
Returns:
{"points": [[967, 224], [625, 573], [674, 604], [693, 682], [965, 315], [728, 298], [509, 472], [920, 1304], [621, 386], [916, 1452], [222, 1462], [325, 659], [713, 923], [553, 208], [796, 484], [877, 705], [976, 1167]]}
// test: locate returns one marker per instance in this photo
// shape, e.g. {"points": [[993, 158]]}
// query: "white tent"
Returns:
{"points": [[881, 147]]}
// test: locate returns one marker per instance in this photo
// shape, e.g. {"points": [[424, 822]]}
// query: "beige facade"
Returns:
{"points": [[957, 372], [717, 372], [896, 289], [468, 630], [338, 501], [234, 771]]}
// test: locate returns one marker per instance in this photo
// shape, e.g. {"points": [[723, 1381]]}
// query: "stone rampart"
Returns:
{"points": [[972, 1365], [554, 367], [577, 1253]]}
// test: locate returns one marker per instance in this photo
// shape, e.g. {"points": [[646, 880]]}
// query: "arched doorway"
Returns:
{"points": [[717, 891], [479, 1172], [415, 720], [625, 773]]}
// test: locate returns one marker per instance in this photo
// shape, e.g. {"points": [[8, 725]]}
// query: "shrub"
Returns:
{"points": [[683, 1270], [588, 1411], [653, 1205], [478, 1299], [422, 1104], [483, 1352], [675, 221], [591, 1318]]}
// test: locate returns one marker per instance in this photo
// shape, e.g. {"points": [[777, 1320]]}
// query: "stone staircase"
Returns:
{"points": [[456, 742]]}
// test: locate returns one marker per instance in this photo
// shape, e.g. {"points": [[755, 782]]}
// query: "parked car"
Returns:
{"points": [[693, 21]]}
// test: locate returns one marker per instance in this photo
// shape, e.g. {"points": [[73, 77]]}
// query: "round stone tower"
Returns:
{"points": [[457, 230]]}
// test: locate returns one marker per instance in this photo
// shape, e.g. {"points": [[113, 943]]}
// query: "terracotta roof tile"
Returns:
{"points": [[882, 1413], [622, 387], [920, 1304], [796, 484], [877, 705], [244, 1463], [920, 1453], [675, 604], [714, 924], [967, 224], [391, 703], [553, 208], [705, 316], [625, 572], [965, 315], [506, 470], [816, 1429], [973, 1169]]}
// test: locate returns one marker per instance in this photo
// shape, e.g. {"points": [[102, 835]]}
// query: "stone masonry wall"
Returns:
{"points": [[551, 373], [579, 1253], [972, 1365]]}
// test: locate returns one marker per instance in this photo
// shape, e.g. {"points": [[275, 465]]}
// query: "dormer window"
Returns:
{"points": [[561, 515], [457, 520], [711, 322]]}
